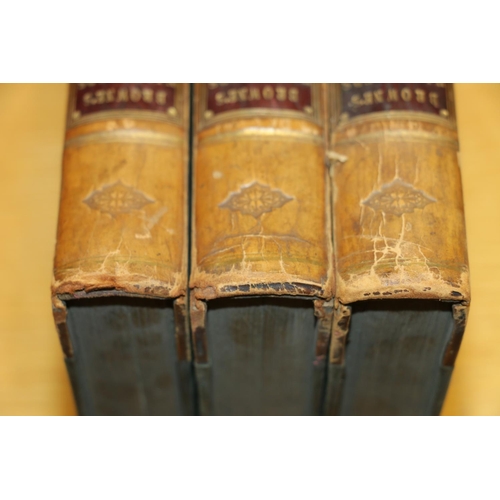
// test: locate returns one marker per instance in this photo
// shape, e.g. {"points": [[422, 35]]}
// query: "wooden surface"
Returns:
{"points": [[33, 379]]}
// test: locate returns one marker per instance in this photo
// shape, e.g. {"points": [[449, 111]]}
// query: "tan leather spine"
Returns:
{"points": [[123, 211], [261, 202], [399, 227]]}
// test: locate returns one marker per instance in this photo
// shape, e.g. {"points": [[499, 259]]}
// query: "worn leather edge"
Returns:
{"points": [[323, 310], [91, 284], [207, 286], [198, 316], [59, 312], [340, 329], [408, 286], [460, 315], [182, 337]]}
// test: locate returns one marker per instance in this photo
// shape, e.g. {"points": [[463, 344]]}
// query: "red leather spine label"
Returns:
{"points": [[222, 97], [362, 98], [97, 97]]}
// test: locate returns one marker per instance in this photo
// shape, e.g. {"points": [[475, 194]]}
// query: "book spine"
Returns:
{"points": [[260, 197], [123, 217], [399, 226], [261, 210]]}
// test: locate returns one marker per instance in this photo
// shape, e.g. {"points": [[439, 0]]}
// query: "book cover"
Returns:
{"points": [[261, 277], [120, 268], [402, 276]]}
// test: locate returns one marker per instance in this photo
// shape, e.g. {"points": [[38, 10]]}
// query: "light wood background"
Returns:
{"points": [[33, 378]]}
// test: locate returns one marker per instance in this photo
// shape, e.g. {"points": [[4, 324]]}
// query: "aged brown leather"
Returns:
{"points": [[123, 212], [399, 229], [261, 221]]}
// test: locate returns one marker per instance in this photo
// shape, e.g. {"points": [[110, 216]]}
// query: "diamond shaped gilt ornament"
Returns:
{"points": [[397, 198], [255, 200], [117, 199]]}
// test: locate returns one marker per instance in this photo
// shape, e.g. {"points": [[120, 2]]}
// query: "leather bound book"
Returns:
{"points": [[120, 268], [402, 278], [261, 275]]}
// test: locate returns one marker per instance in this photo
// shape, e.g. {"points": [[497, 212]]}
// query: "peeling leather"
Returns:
{"points": [[284, 250], [412, 243]]}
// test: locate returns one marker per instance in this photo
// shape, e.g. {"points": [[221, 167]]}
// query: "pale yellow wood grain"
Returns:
{"points": [[33, 379]]}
